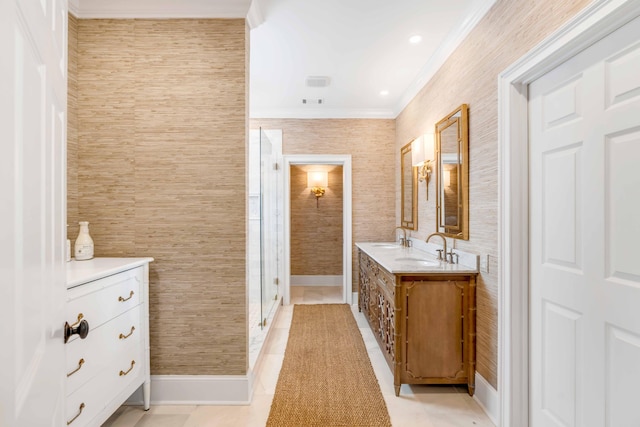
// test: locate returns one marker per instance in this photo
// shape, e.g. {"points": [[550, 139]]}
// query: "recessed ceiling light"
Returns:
{"points": [[384, 92], [415, 39]]}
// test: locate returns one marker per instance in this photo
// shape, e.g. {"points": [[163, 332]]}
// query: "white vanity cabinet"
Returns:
{"points": [[112, 361]]}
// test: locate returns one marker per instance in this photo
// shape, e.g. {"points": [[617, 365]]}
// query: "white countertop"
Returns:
{"points": [[79, 272], [400, 260]]}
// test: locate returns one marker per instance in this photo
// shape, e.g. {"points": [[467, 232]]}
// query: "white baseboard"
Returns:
{"points": [[354, 298], [316, 280], [488, 398], [197, 390]]}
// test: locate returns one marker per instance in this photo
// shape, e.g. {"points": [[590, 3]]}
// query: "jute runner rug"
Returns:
{"points": [[326, 377]]}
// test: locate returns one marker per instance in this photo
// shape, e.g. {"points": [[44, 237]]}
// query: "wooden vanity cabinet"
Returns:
{"points": [[424, 323]]}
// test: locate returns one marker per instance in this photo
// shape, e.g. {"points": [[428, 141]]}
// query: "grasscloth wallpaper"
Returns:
{"points": [[371, 145], [72, 129], [161, 116], [508, 31], [316, 230]]}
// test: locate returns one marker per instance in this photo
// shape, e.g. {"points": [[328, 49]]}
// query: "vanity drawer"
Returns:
{"points": [[387, 280], [95, 395], [86, 358], [103, 299]]}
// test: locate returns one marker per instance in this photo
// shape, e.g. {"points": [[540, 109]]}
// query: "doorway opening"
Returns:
{"points": [[317, 229], [316, 203]]}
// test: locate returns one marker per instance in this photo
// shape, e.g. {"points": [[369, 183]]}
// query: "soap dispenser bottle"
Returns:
{"points": [[83, 247]]}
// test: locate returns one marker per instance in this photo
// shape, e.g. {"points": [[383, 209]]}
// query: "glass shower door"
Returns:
{"points": [[269, 221]]}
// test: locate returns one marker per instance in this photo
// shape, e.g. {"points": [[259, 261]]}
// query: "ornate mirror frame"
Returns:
{"points": [[408, 190], [452, 177]]}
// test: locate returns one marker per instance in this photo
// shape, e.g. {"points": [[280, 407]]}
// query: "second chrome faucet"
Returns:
{"points": [[448, 256]]}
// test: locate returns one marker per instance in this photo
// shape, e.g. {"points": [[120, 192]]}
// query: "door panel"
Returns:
{"points": [[623, 349], [623, 233], [560, 364], [585, 197], [33, 211], [562, 234]]}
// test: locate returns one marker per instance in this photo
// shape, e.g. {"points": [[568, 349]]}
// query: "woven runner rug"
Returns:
{"points": [[326, 377]]}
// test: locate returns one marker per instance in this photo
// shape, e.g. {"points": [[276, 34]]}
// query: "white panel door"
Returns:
{"points": [[584, 121], [33, 45]]}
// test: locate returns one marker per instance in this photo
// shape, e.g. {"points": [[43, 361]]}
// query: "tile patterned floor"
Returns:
{"points": [[424, 406]]}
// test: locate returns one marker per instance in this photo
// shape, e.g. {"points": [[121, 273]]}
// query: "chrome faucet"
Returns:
{"points": [[403, 240], [444, 241]]}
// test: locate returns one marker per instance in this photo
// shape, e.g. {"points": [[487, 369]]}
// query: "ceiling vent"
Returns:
{"points": [[318, 81], [312, 101]]}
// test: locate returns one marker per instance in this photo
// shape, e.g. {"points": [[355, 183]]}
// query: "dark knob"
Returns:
{"points": [[82, 330]]}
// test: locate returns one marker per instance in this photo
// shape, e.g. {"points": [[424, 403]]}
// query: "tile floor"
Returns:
{"points": [[424, 406]]}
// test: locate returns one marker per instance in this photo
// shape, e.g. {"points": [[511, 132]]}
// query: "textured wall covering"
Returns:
{"points": [[316, 232], [508, 31], [72, 130], [371, 145], [161, 173]]}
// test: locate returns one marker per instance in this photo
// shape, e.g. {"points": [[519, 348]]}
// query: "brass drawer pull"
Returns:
{"points": [[77, 415], [80, 363], [124, 337], [123, 299], [123, 373]]}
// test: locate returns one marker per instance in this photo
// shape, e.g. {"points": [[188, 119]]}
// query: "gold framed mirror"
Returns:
{"points": [[452, 178], [408, 190]]}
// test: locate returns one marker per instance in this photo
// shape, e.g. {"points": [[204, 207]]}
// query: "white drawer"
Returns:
{"points": [[122, 335], [102, 300], [103, 388]]}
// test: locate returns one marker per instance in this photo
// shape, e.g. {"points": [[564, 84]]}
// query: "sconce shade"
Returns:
{"points": [[429, 149], [317, 179], [422, 150], [417, 151]]}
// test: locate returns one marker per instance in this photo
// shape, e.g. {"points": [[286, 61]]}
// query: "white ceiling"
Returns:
{"points": [[362, 45]]}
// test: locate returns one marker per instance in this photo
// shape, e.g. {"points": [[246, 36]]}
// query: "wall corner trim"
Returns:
{"points": [[197, 390], [487, 397]]}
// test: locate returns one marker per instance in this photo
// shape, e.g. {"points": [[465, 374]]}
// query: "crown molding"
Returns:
{"points": [[74, 7], [166, 9], [322, 113], [255, 17], [448, 46]]}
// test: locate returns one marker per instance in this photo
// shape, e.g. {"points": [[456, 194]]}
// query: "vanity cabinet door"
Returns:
{"points": [[434, 328]]}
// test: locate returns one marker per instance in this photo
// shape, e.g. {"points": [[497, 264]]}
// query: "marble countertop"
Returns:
{"points": [[400, 260], [79, 272]]}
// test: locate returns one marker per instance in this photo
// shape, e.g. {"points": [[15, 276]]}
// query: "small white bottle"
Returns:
{"points": [[83, 247]]}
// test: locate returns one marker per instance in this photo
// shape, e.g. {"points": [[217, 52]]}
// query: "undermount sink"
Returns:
{"points": [[422, 262], [386, 245]]}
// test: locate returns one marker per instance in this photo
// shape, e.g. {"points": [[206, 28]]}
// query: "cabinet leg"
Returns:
{"points": [[397, 388], [471, 389], [146, 394]]}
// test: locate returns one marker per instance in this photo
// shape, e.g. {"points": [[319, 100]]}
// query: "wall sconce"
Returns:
{"points": [[317, 181], [422, 154]]}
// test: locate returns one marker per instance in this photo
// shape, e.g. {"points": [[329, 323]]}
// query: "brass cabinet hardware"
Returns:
{"points": [[124, 337], [82, 329], [123, 299], [77, 415], [80, 363], [123, 373]]}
